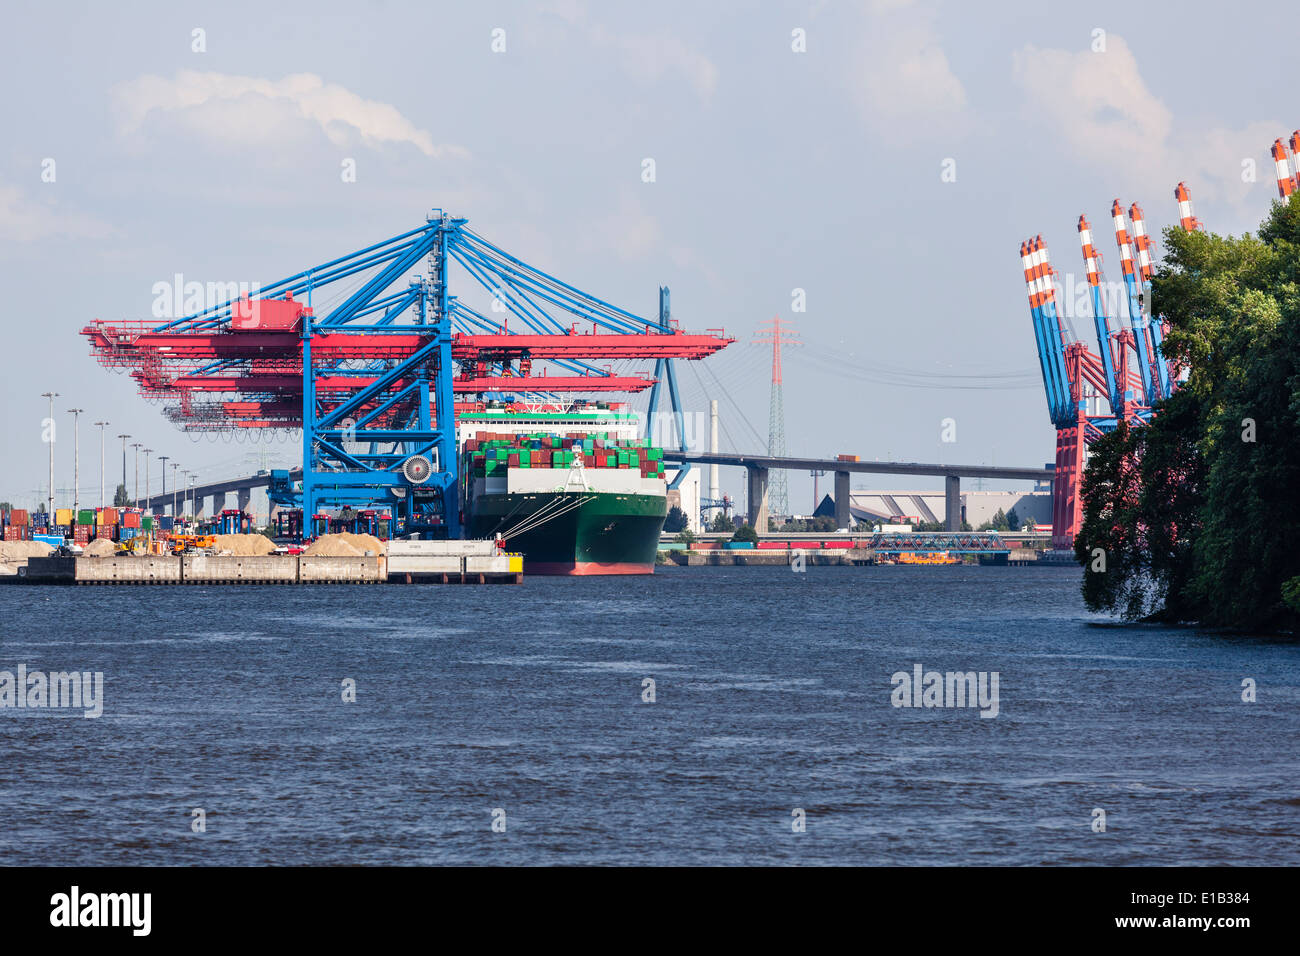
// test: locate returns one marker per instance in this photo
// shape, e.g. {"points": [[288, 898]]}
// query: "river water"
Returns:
{"points": [[772, 712]]}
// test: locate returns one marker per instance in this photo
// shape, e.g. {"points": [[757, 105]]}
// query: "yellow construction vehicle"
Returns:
{"points": [[189, 543]]}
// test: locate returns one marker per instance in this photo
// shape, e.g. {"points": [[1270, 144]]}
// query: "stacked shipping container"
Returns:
{"points": [[17, 525], [82, 525], [489, 454]]}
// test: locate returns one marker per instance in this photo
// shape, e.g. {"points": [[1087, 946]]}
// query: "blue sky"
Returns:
{"points": [[775, 170]]}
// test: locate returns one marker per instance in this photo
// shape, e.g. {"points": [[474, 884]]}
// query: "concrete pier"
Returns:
{"points": [[843, 515], [205, 569], [757, 498], [452, 562], [952, 502], [422, 562]]}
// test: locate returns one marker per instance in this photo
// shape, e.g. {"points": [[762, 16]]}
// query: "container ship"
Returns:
{"points": [[568, 485]]}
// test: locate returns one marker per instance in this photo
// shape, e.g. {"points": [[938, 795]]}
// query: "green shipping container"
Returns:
{"points": [[86, 516], [147, 523]]}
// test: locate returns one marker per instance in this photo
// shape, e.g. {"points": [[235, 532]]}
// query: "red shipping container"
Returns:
{"points": [[131, 519], [108, 516], [18, 516]]}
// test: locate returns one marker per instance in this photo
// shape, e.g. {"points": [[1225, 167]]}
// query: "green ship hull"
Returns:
{"points": [[574, 532]]}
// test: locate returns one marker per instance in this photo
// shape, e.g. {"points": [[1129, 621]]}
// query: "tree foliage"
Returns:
{"points": [[804, 525], [120, 497], [675, 521], [1000, 522], [1194, 515]]}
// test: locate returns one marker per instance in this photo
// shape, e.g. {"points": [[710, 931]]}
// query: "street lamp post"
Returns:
{"points": [[76, 458], [137, 446], [164, 478], [147, 453], [175, 468], [102, 461], [51, 396], [124, 437]]}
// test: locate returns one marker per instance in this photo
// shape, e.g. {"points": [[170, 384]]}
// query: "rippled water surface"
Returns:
{"points": [[773, 693]]}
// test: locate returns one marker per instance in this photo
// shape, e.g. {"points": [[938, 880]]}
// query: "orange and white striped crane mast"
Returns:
{"points": [[1185, 217], [1159, 367], [1136, 319], [1068, 365], [1282, 169], [1115, 387]]}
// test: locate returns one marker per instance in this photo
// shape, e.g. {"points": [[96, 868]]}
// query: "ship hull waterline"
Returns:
{"points": [[586, 533]]}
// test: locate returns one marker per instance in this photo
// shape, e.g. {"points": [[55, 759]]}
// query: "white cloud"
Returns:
{"points": [[648, 57], [571, 10], [1096, 107], [903, 83], [1097, 103], [26, 220], [240, 109], [1216, 157]]}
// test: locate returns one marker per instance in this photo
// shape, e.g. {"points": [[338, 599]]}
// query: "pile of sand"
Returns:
{"points": [[99, 548], [14, 554], [332, 546], [345, 545], [11, 551], [243, 544], [365, 542]]}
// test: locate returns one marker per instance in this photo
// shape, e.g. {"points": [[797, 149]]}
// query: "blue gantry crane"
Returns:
{"points": [[371, 378], [1077, 380]]}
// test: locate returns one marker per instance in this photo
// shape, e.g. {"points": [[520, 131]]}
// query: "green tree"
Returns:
{"points": [[120, 497], [745, 533], [675, 521], [685, 536], [722, 523], [1193, 517], [1013, 520]]}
